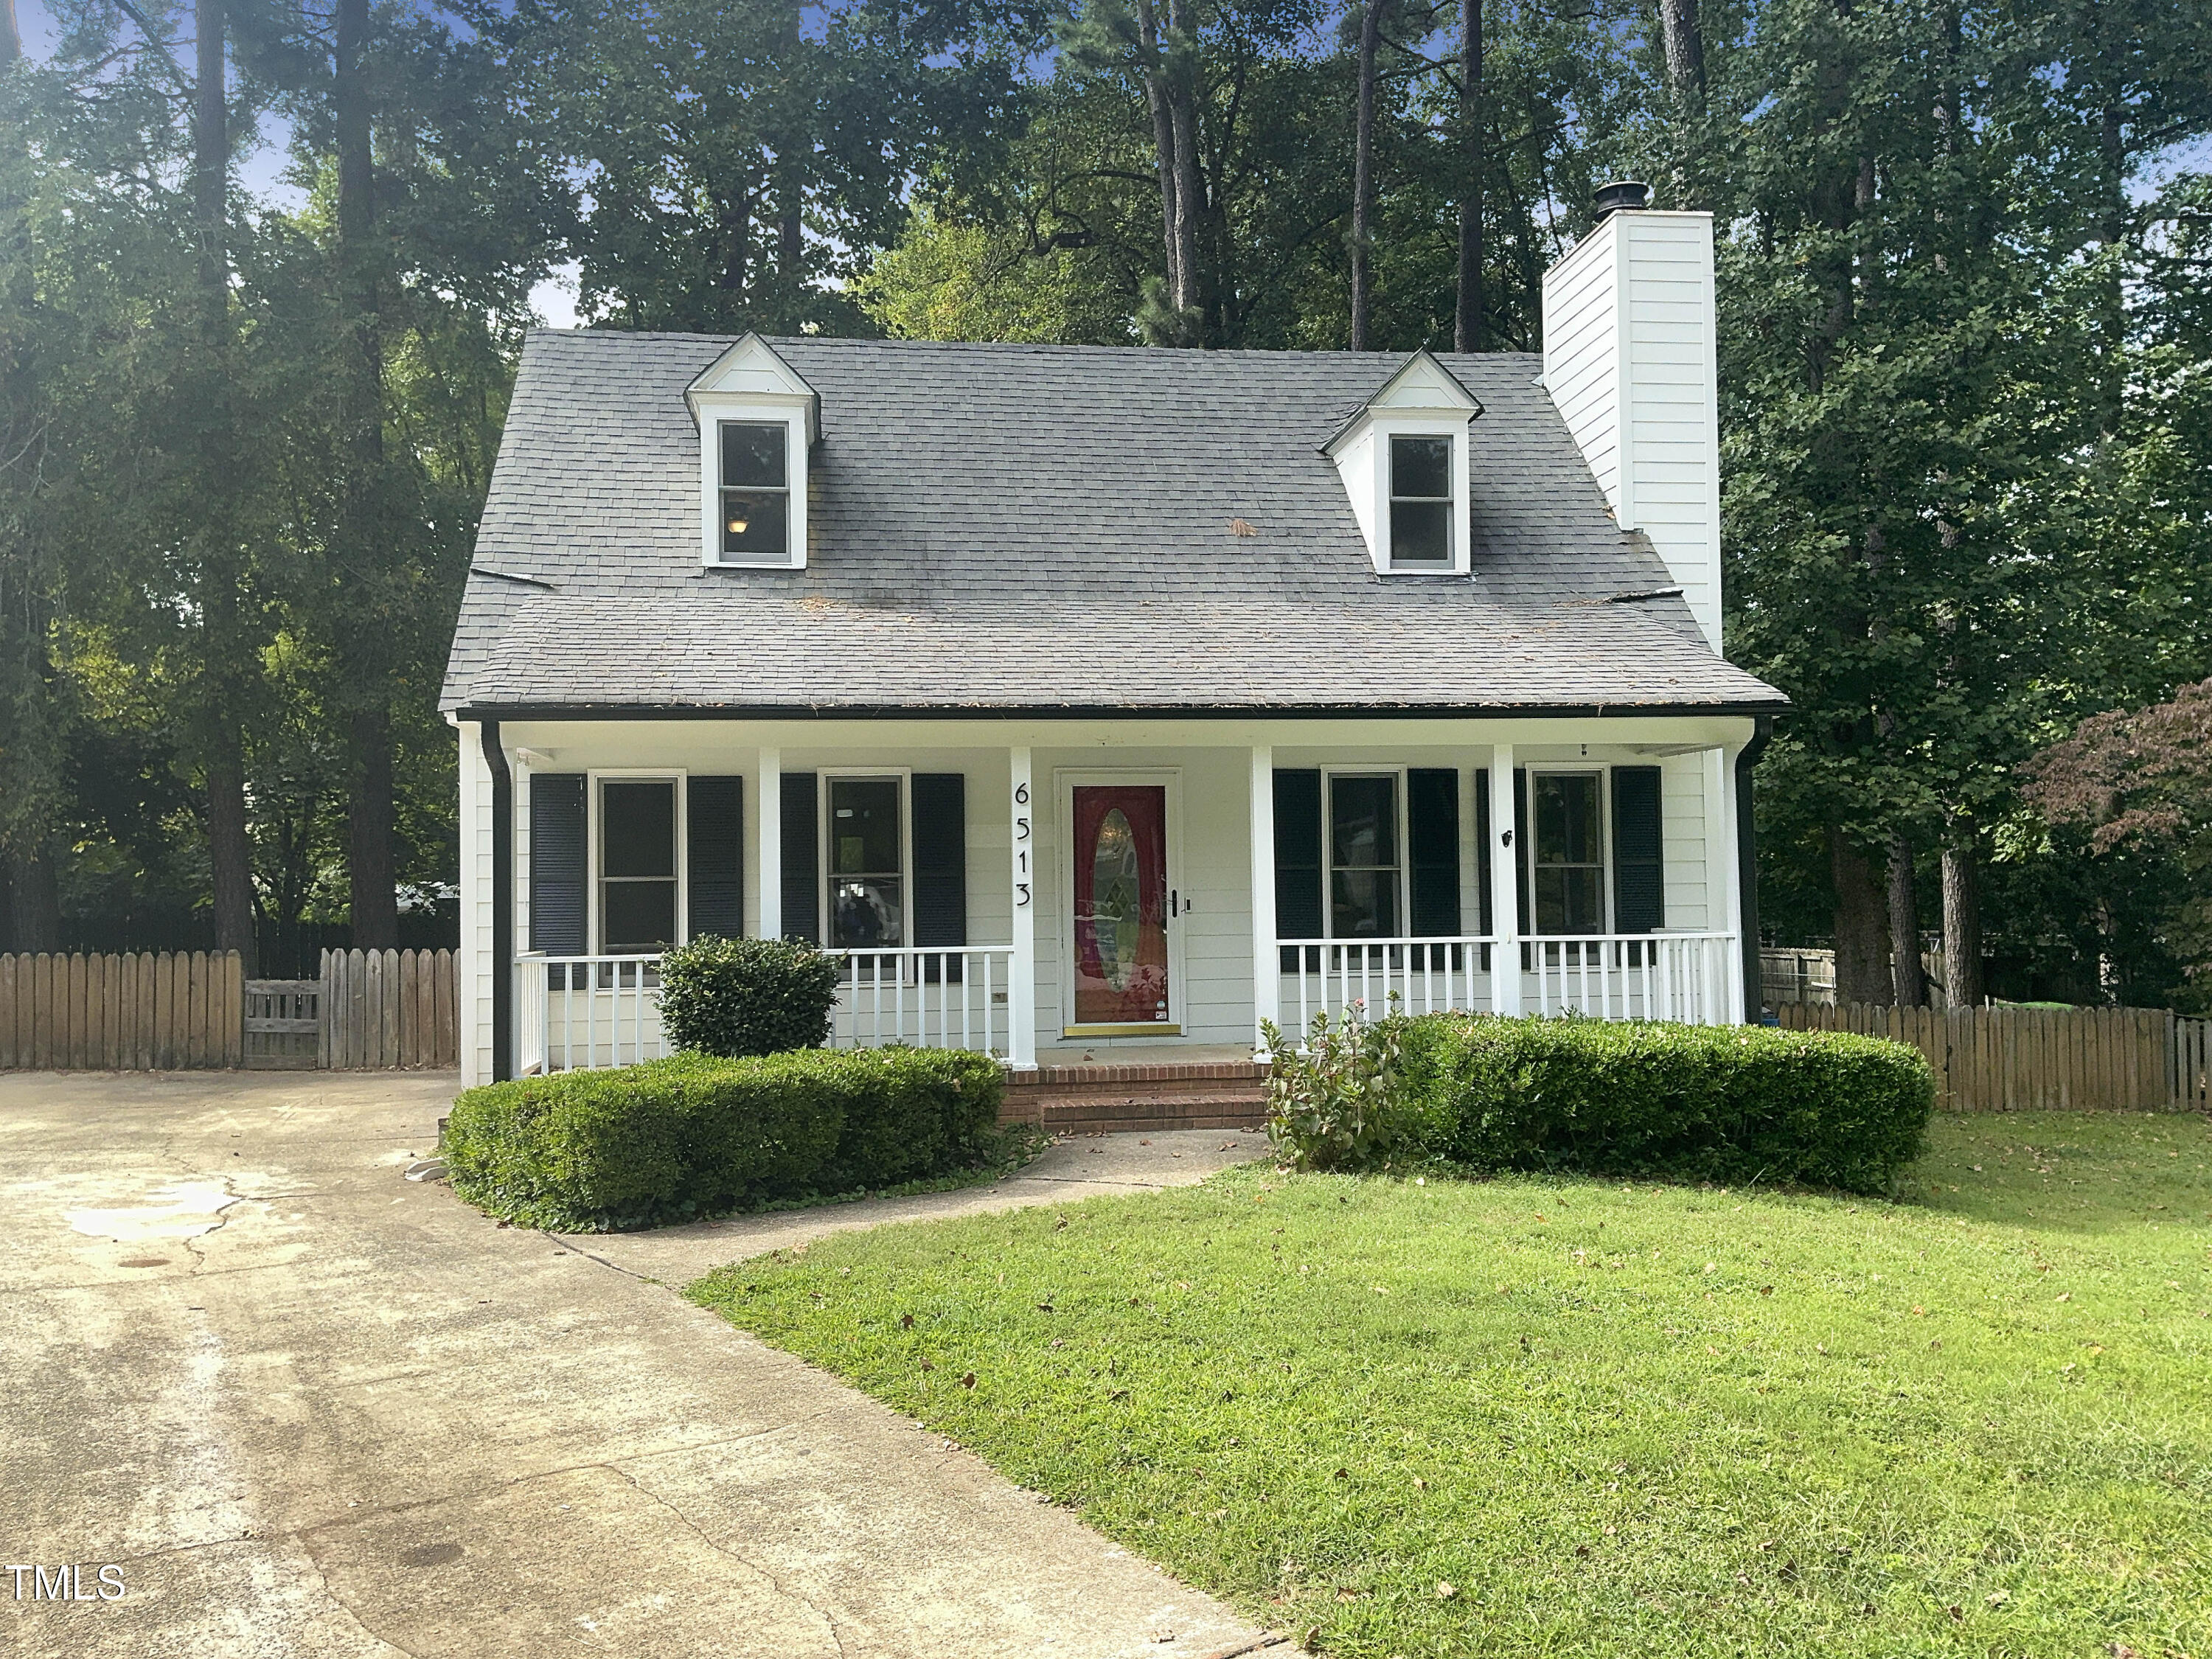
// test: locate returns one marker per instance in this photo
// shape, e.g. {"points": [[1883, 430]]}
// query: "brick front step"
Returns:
{"points": [[1116, 1099]]}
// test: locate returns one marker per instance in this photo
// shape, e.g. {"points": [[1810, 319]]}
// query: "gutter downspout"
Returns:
{"points": [[502, 906], [1746, 864]]}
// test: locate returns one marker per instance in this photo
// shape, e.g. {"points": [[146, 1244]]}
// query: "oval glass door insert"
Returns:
{"points": [[1116, 907]]}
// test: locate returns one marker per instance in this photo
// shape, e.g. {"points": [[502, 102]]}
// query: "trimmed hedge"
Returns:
{"points": [[746, 996], [1724, 1103], [697, 1135]]}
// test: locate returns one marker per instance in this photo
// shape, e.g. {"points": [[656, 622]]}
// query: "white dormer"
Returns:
{"points": [[1403, 458], [758, 423]]}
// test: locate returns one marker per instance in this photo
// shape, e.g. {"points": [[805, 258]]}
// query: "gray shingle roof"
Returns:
{"points": [[1044, 527]]}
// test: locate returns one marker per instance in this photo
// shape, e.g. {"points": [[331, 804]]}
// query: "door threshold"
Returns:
{"points": [[1154, 1029]]}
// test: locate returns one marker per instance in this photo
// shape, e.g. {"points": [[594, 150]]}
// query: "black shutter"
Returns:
{"points": [[1482, 851], [940, 824], [1297, 859], [1432, 849], [1640, 894], [560, 885], [802, 884], [1523, 853], [714, 837]]}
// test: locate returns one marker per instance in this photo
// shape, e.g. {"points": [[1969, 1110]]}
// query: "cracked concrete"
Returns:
{"points": [[317, 1410]]}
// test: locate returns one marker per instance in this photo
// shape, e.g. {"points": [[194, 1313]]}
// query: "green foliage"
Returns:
{"points": [[747, 996], [1338, 1101], [1727, 1104], [697, 1135], [1635, 1419]]}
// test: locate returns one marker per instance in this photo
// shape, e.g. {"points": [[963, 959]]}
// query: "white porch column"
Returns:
{"points": [[770, 841], [1504, 888], [1021, 988], [1724, 763], [1266, 966]]}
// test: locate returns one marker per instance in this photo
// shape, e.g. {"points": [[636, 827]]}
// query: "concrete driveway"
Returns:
{"points": [[305, 1407]]}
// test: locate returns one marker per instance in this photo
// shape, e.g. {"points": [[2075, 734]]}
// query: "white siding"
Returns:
{"points": [[476, 965], [1629, 359]]}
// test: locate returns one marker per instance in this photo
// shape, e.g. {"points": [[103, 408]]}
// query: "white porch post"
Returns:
{"points": [[1021, 989], [1731, 885], [1266, 968], [1504, 888], [770, 839]]}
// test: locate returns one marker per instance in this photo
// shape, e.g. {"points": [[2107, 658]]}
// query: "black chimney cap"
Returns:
{"points": [[1628, 195]]}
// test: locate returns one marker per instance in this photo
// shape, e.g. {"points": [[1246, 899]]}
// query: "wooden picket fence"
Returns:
{"points": [[2013, 1059], [143, 1013], [390, 1008], [163, 1011]]}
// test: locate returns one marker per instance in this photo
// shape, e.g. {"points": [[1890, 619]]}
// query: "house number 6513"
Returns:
{"points": [[1021, 854]]}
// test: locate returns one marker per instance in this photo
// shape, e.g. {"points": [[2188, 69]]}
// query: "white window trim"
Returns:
{"points": [[1328, 777], [751, 409], [682, 780], [1603, 772], [903, 776], [1455, 517]]}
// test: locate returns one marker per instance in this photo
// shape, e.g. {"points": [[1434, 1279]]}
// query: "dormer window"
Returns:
{"points": [[1403, 458], [758, 424], [1421, 503], [755, 492]]}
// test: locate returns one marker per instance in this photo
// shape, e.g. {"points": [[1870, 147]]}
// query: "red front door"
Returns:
{"points": [[1121, 904]]}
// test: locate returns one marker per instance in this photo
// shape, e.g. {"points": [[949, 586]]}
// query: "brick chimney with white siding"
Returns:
{"points": [[1629, 360]]}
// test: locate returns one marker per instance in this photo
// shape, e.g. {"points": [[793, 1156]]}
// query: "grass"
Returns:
{"points": [[1553, 1416]]}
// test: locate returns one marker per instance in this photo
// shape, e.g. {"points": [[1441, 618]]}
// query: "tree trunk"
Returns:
{"points": [[210, 141], [790, 234], [1684, 43], [1962, 917], [1182, 107], [368, 832], [734, 223], [364, 533], [34, 904], [1363, 171], [230, 854], [1160, 101], [1861, 926], [1466, 320], [1907, 978], [230, 850]]}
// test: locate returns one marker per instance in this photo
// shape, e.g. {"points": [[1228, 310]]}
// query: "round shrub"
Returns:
{"points": [[734, 997]]}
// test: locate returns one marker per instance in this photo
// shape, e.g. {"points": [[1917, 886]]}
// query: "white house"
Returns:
{"points": [[1091, 700]]}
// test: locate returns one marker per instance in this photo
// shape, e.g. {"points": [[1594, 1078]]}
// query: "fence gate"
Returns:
{"points": [[283, 1025]]}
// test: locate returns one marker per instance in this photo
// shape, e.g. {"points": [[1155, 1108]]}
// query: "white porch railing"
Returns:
{"points": [[1681, 978], [1428, 975], [955, 997], [576, 1012]]}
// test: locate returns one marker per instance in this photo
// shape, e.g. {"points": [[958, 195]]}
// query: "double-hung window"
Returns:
{"points": [[865, 863], [1567, 871], [755, 483], [1421, 503], [637, 865], [1365, 873]]}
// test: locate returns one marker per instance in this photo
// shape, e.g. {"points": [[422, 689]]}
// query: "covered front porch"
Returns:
{"points": [[1105, 892]]}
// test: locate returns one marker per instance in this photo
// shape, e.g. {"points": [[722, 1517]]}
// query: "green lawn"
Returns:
{"points": [[1564, 1416]]}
